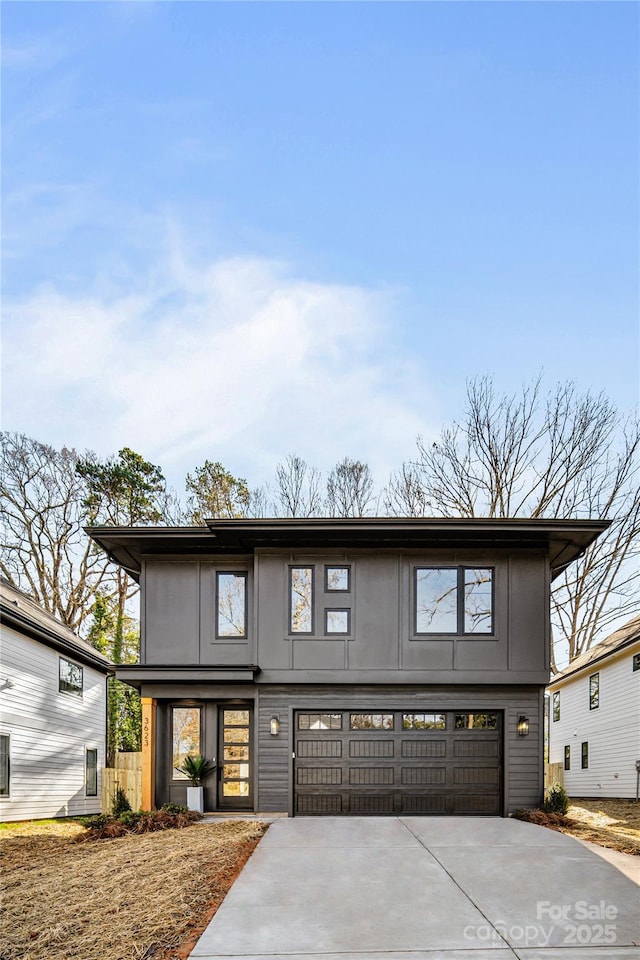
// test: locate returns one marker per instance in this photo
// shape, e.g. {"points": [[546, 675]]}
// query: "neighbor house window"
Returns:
{"points": [[454, 600], [70, 677], [556, 705], [301, 599], [585, 755], [185, 732], [567, 757], [231, 604], [5, 765], [636, 661], [91, 773], [594, 691]]}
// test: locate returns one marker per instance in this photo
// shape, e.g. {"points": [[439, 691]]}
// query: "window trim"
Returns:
{"points": [[635, 662], [594, 691], [230, 638], [555, 706], [567, 756], [7, 755], [461, 570], [72, 693], [312, 568], [88, 750]]}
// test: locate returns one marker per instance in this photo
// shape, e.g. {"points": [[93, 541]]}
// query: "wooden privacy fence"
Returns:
{"points": [[553, 773], [127, 774]]}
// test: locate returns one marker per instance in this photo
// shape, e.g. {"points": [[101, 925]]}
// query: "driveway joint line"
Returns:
{"points": [[461, 889]]}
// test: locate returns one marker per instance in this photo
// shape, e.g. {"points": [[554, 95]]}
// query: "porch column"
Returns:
{"points": [[148, 753]]}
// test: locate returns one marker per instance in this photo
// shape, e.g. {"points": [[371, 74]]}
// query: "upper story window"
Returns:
{"points": [[231, 604], [636, 661], [594, 691], [453, 600], [70, 677], [337, 579], [556, 705], [301, 599]]}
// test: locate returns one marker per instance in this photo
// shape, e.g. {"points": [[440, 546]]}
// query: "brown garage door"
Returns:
{"points": [[394, 762]]}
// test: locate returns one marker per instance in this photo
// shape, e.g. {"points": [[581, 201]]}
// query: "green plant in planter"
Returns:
{"points": [[197, 768]]}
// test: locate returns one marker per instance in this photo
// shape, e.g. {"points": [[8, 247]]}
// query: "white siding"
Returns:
{"points": [[612, 730], [50, 732]]}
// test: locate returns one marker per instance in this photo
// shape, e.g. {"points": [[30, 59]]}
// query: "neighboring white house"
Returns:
{"points": [[594, 717], [52, 714]]}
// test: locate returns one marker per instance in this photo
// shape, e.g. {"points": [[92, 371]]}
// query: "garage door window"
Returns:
{"points": [[424, 721], [319, 721], [476, 721], [371, 721]]}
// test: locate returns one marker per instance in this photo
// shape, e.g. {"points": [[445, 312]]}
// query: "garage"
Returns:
{"points": [[391, 762]]}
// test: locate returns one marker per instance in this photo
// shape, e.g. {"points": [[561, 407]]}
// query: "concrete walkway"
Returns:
{"points": [[421, 888]]}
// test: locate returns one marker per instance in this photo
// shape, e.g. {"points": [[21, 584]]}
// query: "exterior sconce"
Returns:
{"points": [[274, 726], [523, 726]]}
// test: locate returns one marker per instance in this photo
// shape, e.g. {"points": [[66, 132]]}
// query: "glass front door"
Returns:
{"points": [[235, 783]]}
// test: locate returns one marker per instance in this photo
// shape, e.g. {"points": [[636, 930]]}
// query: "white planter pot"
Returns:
{"points": [[195, 799]]}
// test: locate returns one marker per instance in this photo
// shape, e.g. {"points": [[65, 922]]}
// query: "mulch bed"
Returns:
{"points": [[132, 898]]}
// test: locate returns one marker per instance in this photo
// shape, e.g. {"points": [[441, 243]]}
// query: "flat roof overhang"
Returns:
{"points": [[562, 540]]}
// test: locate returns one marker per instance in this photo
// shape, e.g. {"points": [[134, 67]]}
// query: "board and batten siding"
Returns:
{"points": [[49, 732], [612, 730], [522, 756]]}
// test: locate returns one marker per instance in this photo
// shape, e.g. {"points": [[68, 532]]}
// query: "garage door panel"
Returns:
{"points": [[323, 776], [424, 748], [319, 804], [423, 776], [375, 776], [371, 748], [475, 748], [319, 748], [371, 804]]}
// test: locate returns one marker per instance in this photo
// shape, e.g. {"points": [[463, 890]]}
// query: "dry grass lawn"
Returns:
{"points": [[136, 897], [611, 823]]}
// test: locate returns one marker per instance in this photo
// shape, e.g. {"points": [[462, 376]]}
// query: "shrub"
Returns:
{"points": [[119, 802], [556, 800], [133, 822], [174, 808]]}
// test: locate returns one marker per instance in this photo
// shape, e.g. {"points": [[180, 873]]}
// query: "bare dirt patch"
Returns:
{"points": [[610, 823], [135, 897]]}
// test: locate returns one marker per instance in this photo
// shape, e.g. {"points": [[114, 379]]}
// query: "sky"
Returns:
{"points": [[234, 231]]}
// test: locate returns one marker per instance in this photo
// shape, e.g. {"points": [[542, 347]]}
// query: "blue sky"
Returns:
{"points": [[236, 230]]}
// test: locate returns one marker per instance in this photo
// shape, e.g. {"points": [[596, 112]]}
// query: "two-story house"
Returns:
{"points": [[594, 717], [369, 666], [53, 714]]}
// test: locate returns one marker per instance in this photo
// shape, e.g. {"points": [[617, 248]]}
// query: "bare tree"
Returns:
{"points": [[44, 550], [350, 489], [405, 496], [297, 489], [561, 455]]}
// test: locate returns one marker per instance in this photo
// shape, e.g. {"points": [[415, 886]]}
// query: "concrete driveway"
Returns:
{"points": [[420, 888]]}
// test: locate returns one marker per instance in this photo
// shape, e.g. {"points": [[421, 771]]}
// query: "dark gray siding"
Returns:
{"points": [[179, 620], [523, 774]]}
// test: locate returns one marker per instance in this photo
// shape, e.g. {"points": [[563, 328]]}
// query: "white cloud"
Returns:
{"points": [[238, 361]]}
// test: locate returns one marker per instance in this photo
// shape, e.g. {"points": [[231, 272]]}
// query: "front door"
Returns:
{"points": [[235, 781]]}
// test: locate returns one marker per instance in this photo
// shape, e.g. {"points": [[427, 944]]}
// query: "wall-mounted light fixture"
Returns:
{"points": [[523, 726], [274, 726]]}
